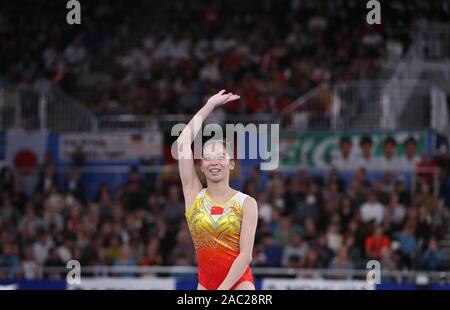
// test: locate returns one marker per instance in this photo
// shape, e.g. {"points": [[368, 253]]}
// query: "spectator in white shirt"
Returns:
{"points": [[389, 162], [75, 53], [366, 161], [42, 247], [344, 160], [411, 159], [372, 210]]}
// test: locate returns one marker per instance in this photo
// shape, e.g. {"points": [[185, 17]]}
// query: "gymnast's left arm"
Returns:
{"points": [[247, 238]]}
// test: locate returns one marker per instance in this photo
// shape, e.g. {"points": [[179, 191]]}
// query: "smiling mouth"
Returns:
{"points": [[214, 170]]}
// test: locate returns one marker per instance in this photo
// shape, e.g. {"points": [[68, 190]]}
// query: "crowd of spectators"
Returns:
{"points": [[156, 57], [305, 221]]}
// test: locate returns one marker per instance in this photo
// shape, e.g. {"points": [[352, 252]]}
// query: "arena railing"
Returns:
{"points": [[166, 122], [436, 41], [350, 105], [430, 50], [51, 110], [387, 276], [369, 105]]}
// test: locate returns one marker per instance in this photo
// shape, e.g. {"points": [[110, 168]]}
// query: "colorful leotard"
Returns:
{"points": [[215, 230]]}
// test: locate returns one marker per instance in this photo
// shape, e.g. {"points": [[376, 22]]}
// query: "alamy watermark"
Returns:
{"points": [[73, 277], [263, 143], [374, 15], [74, 15], [374, 272]]}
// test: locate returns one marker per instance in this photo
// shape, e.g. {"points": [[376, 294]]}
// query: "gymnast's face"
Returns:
{"points": [[216, 163]]}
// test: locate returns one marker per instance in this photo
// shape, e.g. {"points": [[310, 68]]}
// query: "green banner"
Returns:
{"points": [[308, 150]]}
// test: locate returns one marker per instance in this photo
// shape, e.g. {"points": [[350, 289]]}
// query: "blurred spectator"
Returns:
{"points": [[7, 181], [151, 256], [353, 251], [19, 197], [42, 248], [366, 161], [8, 212], [424, 230], [135, 195], [9, 259], [375, 243], [296, 249], [53, 261], [272, 252], [30, 268], [396, 210], [334, 235], [372, 210], [340, 262], [183, 249], [407, 245], [312, 260], [74, 185], [78, 157], [126, 259], [344, 161], [425, 198], [47, 179], [433, 258], [403, 194], [346, 211], [389, 261], [114, 249], [264, 208], [320, 254], [411, 159], [283, 234], [173, 207], [389, 161], [309, 208], [427, 169]]}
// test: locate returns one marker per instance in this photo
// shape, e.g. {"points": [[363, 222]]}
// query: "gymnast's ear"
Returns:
{"points": [[232, 164]]}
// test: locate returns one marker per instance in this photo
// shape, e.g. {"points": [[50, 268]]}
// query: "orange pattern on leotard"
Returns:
{"points": [[216, 241]]}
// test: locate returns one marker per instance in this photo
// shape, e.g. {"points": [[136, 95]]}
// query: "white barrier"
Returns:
{"points": [[315, 284], [124, 284]]}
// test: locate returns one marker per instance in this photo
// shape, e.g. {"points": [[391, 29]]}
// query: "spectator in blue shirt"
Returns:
{"points": [[272, 251], [10, 260], [407, 245], [433, 258]]}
